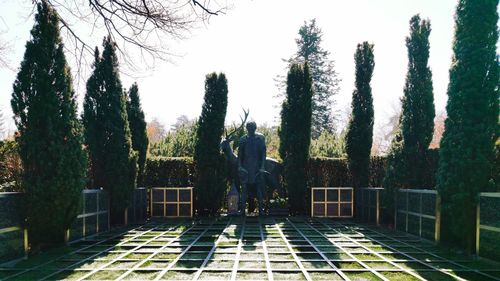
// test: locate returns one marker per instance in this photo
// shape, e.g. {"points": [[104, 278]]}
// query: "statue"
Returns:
{"points": [[251, 169], [271, 166]]}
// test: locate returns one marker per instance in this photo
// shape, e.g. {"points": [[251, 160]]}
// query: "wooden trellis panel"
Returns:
{"points": [[171, 202]]}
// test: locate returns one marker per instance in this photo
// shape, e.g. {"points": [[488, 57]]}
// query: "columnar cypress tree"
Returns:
{"points": [[407, 160], [50, 140], [210, 173], [138, 126], [93, 121], [360, 129], [295, 135], [114, 163], [467, 147]]}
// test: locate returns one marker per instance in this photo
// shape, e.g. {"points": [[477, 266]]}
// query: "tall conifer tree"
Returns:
{"points": [[360, 130], [324, 77], [50, 140], [295, 134], [138, 126], [107, 132], [408, 157], [210, 173], [471, 129]]}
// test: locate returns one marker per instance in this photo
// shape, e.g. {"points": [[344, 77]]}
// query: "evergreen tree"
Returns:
{"points": [[93, 121], [179, 142], [49, 138], [471, 129], [107, 133], [360, 129], [138, 126], [210, 172], [324, 78], [328, 145], [407, 160], [295, 135]]}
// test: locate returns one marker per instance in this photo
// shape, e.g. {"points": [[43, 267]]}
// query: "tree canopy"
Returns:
{"points": [[49, 133], [137, 125], [471, 129], [360, 129], [107, 132], [324, 78], [295, 135], [210, 171]]}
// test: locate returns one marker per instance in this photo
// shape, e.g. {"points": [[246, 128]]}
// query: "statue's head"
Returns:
{"points": [[251, 127]]}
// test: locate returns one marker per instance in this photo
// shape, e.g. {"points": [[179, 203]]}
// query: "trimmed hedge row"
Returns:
{"points": [[180, 171], [169, 172], [335, 171]]}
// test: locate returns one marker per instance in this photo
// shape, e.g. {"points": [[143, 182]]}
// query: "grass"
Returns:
{"points": [[284, 265], [215, 275], [155, 264], [288, 276], [399, 276], [252, 264], [81, 258], [362, 276], [178, 275], [142, 275], [106, 275]]}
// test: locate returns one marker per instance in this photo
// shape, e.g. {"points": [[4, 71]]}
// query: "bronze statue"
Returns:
{"points": [[270, 174], [251, 169]]}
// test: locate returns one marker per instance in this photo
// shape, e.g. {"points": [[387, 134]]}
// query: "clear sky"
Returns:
{"points": [[249, 42]]}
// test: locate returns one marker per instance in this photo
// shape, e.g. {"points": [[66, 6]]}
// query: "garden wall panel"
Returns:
{"points": [[92, 216], [138, 207], [11, 226], [488, 226], [417, 212], [367, 203]]}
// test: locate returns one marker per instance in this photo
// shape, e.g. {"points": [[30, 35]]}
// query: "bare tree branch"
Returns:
{"points": [[141, 28], [5, 49]]}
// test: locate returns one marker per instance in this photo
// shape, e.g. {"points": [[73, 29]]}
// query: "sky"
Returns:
{"points": [[248, 44]]}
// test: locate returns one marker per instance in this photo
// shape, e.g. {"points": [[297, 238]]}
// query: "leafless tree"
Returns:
{"points": [[3, 55], [438, 128], [5, 50], [140, 28], [156, 131], [384, 132]]}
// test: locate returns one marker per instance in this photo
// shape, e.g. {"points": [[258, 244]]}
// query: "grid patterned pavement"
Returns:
{"points": [[251, 248]]}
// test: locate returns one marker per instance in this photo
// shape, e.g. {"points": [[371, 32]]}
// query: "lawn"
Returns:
{"points": [[251, 249]]}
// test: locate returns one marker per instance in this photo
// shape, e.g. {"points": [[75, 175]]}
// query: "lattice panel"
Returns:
{"points": [[332, 202], [171, 202]]}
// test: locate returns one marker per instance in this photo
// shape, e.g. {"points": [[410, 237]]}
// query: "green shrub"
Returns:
{"points": [[169, 171], [334, 172], [11, 168]]}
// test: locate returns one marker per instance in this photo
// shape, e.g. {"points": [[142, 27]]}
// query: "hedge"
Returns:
{"points": [[180, 171], [335, 172], [168, 171]]}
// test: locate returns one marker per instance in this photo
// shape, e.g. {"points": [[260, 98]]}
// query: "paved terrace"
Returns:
{"points": [[251, 248]]}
